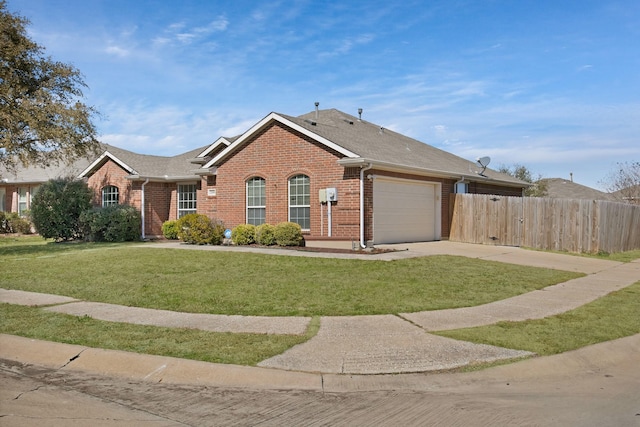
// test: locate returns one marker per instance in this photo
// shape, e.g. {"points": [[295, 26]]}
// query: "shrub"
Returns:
{"points": [[265, 235], [244, 234], [11, 222], [170, 229], [56, 208], [118, 223], [199, 229], [288, 234]]}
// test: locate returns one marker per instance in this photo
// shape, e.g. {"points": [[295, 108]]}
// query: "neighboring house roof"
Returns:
{"points": [[564, 189], [362, 143], [36, 174], [629, 194], [143, 166]]}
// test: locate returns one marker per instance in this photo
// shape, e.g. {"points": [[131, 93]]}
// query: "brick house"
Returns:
{"points": [[17, 187], [338, 176]]}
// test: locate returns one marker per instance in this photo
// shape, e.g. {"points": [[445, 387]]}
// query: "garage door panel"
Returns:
{"points": [[404, 211]]}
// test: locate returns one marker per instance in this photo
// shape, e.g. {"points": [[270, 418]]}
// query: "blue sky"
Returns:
{"points": [[553, 85]]}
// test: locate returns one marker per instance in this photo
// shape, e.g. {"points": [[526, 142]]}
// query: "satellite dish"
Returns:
{"points": [[483, 162]]}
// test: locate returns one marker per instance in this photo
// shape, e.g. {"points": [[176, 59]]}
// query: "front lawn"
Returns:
{"points": [[262, 284]]}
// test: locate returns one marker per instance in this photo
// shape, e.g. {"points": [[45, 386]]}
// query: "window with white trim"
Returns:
{"points": [[300, 201], [256, 201], [3, 197], [110, 195], [22, 201], [186, 199]]}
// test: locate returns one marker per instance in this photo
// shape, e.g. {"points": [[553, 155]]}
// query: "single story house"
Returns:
{"points": [[19, 185], [338, 176]]}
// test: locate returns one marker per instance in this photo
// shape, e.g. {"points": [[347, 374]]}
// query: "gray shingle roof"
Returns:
{"points": [[37, 174], [565, 189], [151, 166], [372, 142]]}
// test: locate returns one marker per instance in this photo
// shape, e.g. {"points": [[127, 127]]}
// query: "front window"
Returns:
{"points": [[186, 199], [3, 196], [256, 201], [109, 196], [300, 201], [22, 201]]}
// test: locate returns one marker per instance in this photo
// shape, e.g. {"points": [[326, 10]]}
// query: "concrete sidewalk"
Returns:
{"points": [[380, 344]]}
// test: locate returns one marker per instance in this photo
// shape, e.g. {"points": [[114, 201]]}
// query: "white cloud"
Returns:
{"points": [[117, 51]]}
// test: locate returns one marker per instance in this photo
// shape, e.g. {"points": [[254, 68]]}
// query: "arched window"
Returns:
{"points": [[256, 201], [300, 201], [109, 195]]}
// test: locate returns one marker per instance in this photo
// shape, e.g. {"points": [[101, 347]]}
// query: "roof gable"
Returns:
{"points": [[105, 157], [147, 166], [269, 119]]}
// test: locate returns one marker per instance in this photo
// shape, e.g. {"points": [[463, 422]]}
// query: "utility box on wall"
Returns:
{"points": [[332, 195], [322, 195]]}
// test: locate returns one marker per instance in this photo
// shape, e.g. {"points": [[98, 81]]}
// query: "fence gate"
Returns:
{"points": [[488, 220]]}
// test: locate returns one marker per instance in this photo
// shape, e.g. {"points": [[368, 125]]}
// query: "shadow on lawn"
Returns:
{"points": [[35, 246]]}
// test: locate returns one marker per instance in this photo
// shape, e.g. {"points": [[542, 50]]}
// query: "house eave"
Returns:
{"points": [[163, 178], [394, 167]]}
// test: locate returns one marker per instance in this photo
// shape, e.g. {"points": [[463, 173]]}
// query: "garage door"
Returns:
{"points": [[405, 211]]}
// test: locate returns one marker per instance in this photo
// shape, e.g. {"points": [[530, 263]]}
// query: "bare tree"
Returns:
{"points": [[624, 181]]}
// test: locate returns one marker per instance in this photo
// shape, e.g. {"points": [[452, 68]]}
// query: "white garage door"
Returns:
{"points": [[405, 211]]}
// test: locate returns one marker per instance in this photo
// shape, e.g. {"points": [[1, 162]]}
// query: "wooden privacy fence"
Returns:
{"points": [[546, 223]]}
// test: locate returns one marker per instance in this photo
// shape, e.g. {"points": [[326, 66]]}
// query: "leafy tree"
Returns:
{"points": [[538, 187], [42, 120], [57, 206], [624, 181]]}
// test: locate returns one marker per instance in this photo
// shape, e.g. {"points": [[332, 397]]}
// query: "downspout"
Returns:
{"points": [[363, 244], [455, 185], [142, 207]]}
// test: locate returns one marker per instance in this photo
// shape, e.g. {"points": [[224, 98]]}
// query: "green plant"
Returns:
{"points": [[170, 229], [56, 208], [119, 223], [288, 234], [11, 222], [265, 234], [199, 229], [244, 234]]}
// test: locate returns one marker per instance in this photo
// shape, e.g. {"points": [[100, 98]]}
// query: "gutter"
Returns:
{"points": [[164, 178], [363, 244], [355, 162]]}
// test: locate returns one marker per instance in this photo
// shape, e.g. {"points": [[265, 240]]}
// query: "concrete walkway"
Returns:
{"points": [[378, 344]]}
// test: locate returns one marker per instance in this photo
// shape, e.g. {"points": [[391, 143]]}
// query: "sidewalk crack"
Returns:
{"points": [[72, 359]]}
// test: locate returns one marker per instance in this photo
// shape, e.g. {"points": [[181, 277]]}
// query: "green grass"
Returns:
{"points": [[239, 283], [614, 316], [237, 349], [627, 256], [263, 284]]}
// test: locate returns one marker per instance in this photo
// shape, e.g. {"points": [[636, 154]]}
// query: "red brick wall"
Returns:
{"points": [[276, 154], [485, 188], [157, 195]]}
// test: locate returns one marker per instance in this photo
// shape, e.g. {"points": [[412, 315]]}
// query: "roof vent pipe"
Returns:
{"points": [[317, 112], [359, 114]]}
